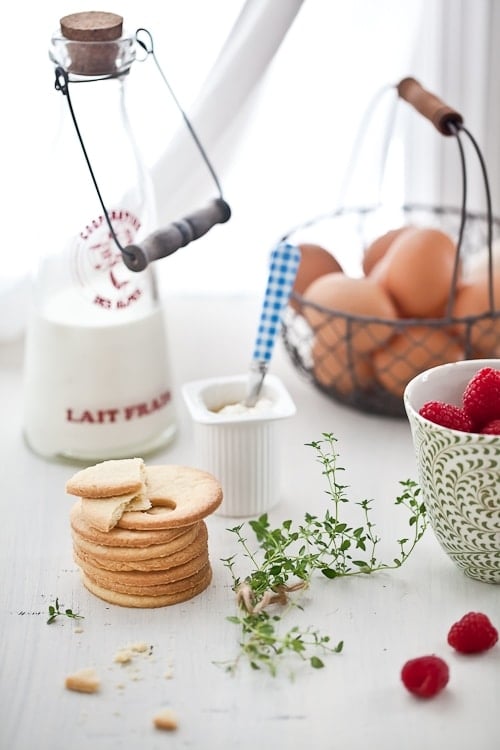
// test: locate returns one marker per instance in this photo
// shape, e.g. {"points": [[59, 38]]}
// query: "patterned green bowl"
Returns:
{"points": [[459, 473]]}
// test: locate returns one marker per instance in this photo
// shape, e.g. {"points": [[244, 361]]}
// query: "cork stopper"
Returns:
{"points": [[93, 42], [92, 26]]}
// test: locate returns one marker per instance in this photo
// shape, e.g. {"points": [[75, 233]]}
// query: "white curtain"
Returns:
{"points": [[461, 65], [181, 178]]}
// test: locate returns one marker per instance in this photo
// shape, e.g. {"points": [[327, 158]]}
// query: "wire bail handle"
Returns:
{"points": [[177, 234]]}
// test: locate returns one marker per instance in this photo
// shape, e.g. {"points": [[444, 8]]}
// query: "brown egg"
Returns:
{"points": [[412, 352], [376, 250], [473, 299], [417, 272], [315, 261], [343, 295], [334, 368]]}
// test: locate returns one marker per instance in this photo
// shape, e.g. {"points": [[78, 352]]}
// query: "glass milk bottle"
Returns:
{"points": [[97, 377]]}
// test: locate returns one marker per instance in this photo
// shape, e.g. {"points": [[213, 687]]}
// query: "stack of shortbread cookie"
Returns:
{"points": [[138, 532]]}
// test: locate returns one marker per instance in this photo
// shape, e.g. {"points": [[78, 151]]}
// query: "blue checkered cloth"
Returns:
{"points": [[283, 266]]}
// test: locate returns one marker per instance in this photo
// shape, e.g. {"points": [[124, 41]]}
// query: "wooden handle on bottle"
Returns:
{"points": [[429, 105], [177, 234]]}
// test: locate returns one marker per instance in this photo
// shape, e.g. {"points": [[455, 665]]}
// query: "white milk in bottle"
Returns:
{"points": [[96, 389]]}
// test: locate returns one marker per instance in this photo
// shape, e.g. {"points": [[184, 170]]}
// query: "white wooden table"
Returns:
{"points": [[357, 701]]}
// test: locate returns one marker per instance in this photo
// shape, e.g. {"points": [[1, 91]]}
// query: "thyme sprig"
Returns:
{"points": [[288, 556], [55, 611]]}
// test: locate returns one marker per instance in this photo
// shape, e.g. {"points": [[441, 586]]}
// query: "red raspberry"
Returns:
{"points": [[446, 415], [473, 633], [425, 676], [491, 428], [481, 399]]}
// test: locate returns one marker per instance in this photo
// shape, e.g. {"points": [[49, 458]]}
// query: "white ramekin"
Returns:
{"points": [[242, 450]]}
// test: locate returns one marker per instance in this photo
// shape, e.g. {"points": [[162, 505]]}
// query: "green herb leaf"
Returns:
{"points": [[55, 612], [316, 662]]}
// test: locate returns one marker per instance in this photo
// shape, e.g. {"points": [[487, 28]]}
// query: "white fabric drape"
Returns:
{"points": [[180, 177], [470, 68], [462, 67]]}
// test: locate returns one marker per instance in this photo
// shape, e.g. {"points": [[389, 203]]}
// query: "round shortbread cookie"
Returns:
{"points": [[108, 478], [167, 562], [147, 602], [118, 537], [156, 590], [174, 573], [180, 495], [195, 535]]}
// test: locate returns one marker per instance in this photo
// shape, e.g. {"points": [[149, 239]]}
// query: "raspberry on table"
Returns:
{"points": [[481, 397], [491, 428], [446, 415], [473, 633], [425, 676]]}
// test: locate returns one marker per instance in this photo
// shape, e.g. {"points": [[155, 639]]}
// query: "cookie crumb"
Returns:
{"points": [[84, 681], [123, 657], [166, 720], [139, 647]]}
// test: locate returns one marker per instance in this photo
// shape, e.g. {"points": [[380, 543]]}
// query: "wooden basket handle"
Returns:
{"points": [[429, 105]]}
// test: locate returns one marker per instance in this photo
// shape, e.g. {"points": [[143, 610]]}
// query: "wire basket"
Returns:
{"points": [[321, 341]]}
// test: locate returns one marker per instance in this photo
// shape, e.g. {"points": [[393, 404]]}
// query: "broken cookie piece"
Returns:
{"points": [[108, 489], [108, 479], [104, 513]]}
